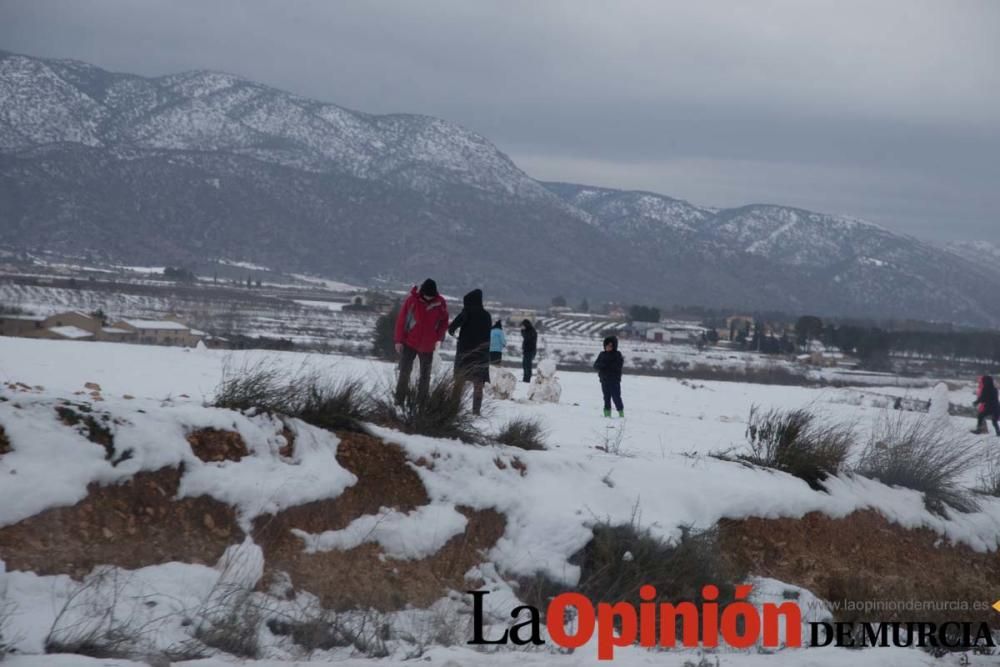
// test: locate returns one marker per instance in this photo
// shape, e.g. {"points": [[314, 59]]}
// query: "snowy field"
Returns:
{"points": [[660, 467]]}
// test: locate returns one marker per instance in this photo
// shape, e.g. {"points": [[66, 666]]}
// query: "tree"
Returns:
{"points": [[807, 328], [638, 313], [559, 302], [584, 306], [383, 343]]}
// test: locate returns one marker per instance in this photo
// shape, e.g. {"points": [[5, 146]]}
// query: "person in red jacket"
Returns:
{"points": [[421, 325]]}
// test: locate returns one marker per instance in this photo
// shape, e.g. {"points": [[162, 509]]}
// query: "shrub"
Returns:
{"points": [[920, 454], [523, 433], [262, 385], [621, 558], [334, 405], [232, 625], [383, 345], [795, 442], [989, 476], [443, 414]]}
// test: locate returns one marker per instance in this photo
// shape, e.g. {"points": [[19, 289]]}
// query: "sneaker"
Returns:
{"points": [[621, 413], [607, 413]]}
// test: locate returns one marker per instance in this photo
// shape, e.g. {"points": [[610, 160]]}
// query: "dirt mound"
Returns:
{"points": [[131, 525], [361, 576], [213, 445], [865, 557]]}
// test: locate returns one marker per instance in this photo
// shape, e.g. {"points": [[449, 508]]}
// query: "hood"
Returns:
{"points": [[473, 300], [415, 292], [498, 325], [987, 381], [614, 342]]}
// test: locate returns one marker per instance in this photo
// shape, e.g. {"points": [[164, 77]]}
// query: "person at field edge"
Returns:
{"points": [[989, 405], [472, 353], [529, 344], [609, 365], [420, 326], [498, 341]]}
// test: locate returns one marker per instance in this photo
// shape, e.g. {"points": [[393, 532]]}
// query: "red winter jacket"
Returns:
{"points": [[421, 324]]}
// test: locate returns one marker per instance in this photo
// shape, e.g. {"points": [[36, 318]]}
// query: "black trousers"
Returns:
{"points": [[981, 423], [612, 390], [526, 364], [406, 368]]}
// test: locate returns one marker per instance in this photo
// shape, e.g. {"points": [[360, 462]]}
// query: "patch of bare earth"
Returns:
{"points": [[131, 525], [362, 577], [864, 557], [5, 447], [214, 445]]}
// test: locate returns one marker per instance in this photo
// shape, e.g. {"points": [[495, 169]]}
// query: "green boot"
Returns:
{"points": [[607, 412], [621, 413]]}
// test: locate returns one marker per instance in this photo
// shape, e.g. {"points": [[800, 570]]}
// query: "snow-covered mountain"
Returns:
{"points": [[201, 165]]}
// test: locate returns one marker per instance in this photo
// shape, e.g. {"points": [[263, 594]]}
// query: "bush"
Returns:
{"points": [[383, 345], [795, 442], [621, 558], [989, 476], [443, 414], [920, 454], [262, 385], [232, 625], [334, 405], [523, 433]]}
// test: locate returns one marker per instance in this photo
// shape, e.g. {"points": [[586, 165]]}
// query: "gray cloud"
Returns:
{"points": [[889, 110]]}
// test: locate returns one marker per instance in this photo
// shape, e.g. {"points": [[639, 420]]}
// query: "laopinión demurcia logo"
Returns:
{"points": [[739, 624]]}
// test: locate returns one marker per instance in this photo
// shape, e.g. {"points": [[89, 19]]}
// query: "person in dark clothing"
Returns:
{"points": [[609, 365], [989, 405], [420, 327], [498, 341], [529, 344], [472, 353]]}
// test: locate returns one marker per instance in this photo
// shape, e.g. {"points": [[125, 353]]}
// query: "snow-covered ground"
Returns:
{"points": [[660, 467]]}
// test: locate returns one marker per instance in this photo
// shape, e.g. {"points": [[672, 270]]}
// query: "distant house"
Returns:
{"points": [[160, 332], [21, 325], [77, 325], [70, 325]]}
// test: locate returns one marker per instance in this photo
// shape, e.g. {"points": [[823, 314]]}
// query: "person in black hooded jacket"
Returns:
{"points": [[529, 345], [472, 354], [609, 364]]}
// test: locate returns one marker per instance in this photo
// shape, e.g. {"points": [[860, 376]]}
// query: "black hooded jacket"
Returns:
{"points": [[609, 364], [473, 325], [529, 339]]}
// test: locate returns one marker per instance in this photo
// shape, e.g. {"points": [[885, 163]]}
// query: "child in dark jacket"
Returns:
{"points": [[609, 365]]}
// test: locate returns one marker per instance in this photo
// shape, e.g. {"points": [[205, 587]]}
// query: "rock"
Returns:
{"points": [[93, 386]]}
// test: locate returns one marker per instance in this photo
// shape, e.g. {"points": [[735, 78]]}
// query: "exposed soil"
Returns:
{"points": [[865, 557], [213, 445], [5, 447], [131, 525], [362, 577]]}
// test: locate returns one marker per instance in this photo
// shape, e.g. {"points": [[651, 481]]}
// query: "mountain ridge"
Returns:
{"points": [[198, 165]]}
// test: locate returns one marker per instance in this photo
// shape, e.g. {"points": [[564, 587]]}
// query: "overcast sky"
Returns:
{"points": [[886, 110]]}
